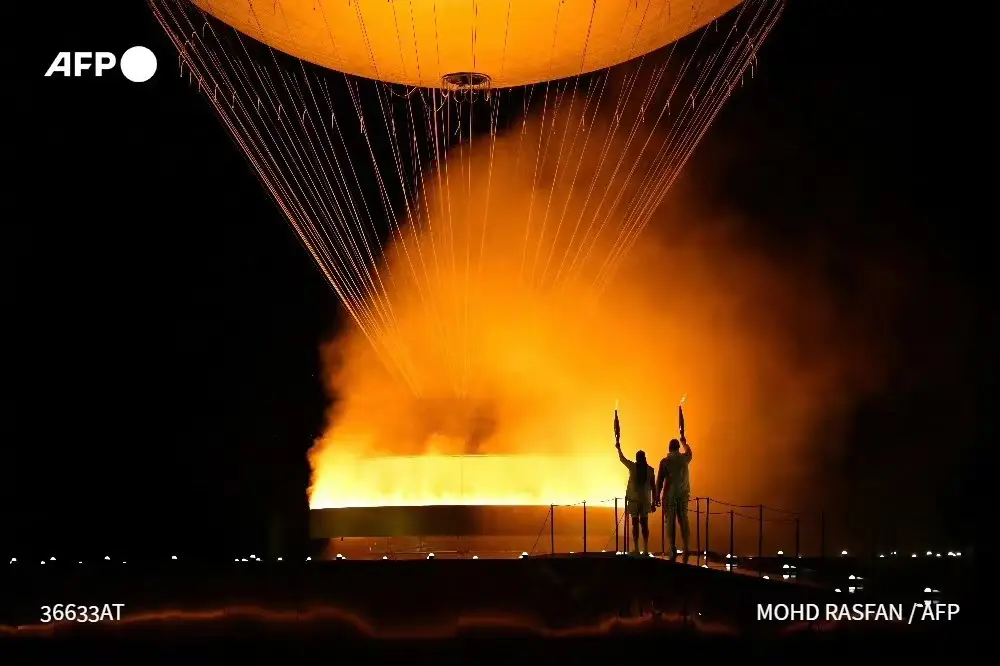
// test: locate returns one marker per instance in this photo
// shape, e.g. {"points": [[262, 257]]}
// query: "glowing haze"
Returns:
{"points": [[513, 361]]}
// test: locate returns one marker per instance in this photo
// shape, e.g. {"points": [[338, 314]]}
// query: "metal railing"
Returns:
{"points": [[714, 522]]}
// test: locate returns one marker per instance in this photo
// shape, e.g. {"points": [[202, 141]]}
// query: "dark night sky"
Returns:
{"points": [[162, 322]]}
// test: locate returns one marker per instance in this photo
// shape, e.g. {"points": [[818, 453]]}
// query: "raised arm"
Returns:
{"points": [[687, 448], [621, 456]]}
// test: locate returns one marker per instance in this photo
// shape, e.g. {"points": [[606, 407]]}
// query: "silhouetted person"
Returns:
{"points": [[674, 483], [640, 496]]}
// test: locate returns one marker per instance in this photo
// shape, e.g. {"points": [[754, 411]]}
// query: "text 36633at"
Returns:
{"points": [[81, 613]]}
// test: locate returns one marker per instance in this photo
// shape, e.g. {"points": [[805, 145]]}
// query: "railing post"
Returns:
{"points": [[732, 531], [697, 530], [585, 528], [798, 551], [616, 525], [760, 539], [625, 524], [552, 528], [822, 534], [708, 516]]}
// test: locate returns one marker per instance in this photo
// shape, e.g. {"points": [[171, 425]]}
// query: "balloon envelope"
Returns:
{"points": [[514, 42]]}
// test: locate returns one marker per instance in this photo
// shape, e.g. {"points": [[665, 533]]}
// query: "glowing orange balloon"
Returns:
{"points": [[513, 42]]}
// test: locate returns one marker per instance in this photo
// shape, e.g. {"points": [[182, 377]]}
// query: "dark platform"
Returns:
{"points": [[436, 610]]}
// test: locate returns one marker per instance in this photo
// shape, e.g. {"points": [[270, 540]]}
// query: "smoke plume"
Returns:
{"points": [[511, 336]]}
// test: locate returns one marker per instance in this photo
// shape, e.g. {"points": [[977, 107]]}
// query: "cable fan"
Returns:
{"points": [[378, 127]]}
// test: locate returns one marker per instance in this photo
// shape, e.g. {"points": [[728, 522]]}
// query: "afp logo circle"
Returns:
{"points": [[138, 64]]}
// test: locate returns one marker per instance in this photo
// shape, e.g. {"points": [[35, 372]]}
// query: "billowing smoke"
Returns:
{"points": [[508, 337]]}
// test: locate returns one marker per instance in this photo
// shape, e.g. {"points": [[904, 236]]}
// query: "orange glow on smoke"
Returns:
{"points": [[497, 358]]}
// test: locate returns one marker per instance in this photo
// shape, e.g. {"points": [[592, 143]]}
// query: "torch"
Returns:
{"points": [[680, 416], [618, 429]]}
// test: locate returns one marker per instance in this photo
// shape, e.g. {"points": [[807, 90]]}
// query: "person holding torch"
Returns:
{"points": [[673, 484], [640, 494]]}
